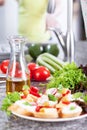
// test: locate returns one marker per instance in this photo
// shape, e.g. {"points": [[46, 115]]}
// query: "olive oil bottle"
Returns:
{"points": [[12, 86], [17, 73]]}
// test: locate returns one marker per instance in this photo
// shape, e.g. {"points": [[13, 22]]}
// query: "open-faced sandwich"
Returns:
{"points": [[53, 103]]}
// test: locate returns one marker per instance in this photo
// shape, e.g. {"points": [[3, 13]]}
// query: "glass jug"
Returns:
{"points": [[17, 74]]}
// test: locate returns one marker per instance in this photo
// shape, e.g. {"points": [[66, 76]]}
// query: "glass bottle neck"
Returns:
{"points": [[17, 43]]}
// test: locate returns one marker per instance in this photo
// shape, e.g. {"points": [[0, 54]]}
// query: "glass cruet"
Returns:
{"points": [[17, 73]]}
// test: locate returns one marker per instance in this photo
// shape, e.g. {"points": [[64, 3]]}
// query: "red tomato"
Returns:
{"points": [[23, 96], [30, 75], [34, 93], [18, 74], [34, 89], [66, 102], [0, 67], [41, 73], [67, 92], [4, 66], [31, 66], [38, 108]]}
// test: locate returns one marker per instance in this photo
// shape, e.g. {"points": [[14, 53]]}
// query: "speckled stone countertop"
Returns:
{"points": [[16, 123]]}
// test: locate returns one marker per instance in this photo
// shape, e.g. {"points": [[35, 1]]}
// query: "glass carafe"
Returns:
{"points": [[17, 73]]}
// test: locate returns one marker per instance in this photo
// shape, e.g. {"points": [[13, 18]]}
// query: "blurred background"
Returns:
{"points": [[78, 23], [9, 21]]}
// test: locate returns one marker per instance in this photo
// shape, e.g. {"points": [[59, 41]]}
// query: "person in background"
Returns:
{"points": [[2, 2], [34, 20]]}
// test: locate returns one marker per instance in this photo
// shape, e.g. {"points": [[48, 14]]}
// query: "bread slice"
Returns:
{"points": [[19, 110], [23, 107], [47, 113], [69, 111]]}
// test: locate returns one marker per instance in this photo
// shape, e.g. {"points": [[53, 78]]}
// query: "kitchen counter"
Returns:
{"points": [[16, 123]]}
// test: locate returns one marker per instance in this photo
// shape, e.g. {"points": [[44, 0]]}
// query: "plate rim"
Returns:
{"points": [[49, 120]]}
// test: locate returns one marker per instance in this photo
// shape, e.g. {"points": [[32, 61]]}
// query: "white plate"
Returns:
{"points": [[50, 120]]}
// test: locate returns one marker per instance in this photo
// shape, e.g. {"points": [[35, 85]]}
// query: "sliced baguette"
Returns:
{"points": [[70, 111], [19, 110], [47, 113]]}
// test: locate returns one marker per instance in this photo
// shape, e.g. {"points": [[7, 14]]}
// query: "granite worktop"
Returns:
{"points": [[16, 123]]}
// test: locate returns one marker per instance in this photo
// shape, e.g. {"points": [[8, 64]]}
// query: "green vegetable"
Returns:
{"points": [[85, 98], [72, 108], [81, 95], [28, 58], [78, 95], [69, 76], [52, 49], [35, 50], [43, 63], [25, 87], [52, 97], [8, 100], [55, 59], [50, 61], [27, 104]]}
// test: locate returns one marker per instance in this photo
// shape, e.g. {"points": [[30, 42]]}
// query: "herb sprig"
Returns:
{"points": [[80, 95], [8, 100]]}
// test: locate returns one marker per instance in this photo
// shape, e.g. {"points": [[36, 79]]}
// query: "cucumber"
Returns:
{"points": [[41, 62], [50, 61], [55, 59]]}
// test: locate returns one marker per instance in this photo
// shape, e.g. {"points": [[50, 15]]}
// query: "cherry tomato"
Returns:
{"points": [[34, 93], [30, 76], [66, 102], [4, 66], [41, 73], [31, 66], [67, 92], [38, 108], [23, 96], [34, 89], [18, 74], [0, 67]]}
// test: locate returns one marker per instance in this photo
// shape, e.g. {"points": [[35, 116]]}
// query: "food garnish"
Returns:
{"points": [[9, 100]]}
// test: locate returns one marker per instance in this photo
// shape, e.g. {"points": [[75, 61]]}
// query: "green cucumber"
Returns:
{"points": [[50, 61], [41, 62], [55, 59]]}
